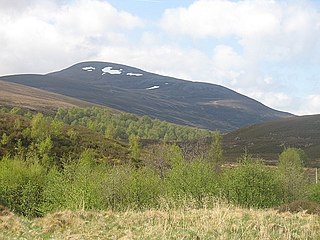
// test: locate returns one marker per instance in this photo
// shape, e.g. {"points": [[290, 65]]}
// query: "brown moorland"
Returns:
{"points": [[17, 95]]}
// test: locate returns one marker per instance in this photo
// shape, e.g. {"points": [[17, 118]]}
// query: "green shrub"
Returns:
{"points": [[290, 171], [314, 193], [54, 191], [77, 187], [87, 185], [21, 186], [252, 185], [127, 187], [196, 179]]}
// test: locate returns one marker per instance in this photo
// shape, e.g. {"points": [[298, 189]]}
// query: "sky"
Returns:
{"points": [[268, 50]]}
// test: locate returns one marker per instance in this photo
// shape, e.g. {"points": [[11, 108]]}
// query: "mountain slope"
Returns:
{"points": [[269, 139], [64, 144], [133, 90], [17, 95]]}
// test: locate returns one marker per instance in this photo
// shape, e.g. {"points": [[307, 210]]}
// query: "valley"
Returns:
{"points": [[68, 159], [151, 120]]}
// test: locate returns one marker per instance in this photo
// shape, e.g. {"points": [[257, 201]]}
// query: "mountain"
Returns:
{"points": [[133, 90], [17, 95], [268, 140]]}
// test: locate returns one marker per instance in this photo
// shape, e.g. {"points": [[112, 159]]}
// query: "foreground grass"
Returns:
{"points": [[219, 222]]}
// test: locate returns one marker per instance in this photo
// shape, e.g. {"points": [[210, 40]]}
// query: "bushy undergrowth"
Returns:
{"points": [[21, 186], [30, 189], [314, 192], [253, 185]]}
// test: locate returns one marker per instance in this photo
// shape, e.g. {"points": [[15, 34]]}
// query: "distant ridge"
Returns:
{"points": [[133, 90], [269, 139]]}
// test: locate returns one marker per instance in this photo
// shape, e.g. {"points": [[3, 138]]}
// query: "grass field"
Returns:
{"points": [[16, 95], [218, 222]]}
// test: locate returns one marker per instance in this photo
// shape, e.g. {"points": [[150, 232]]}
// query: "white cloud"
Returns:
{"points": [[267, 29], [91, 17], [220, 18], [17, 4], [278, 100], [45, 36], [309, 105], [299, 105], [225, 57], [162, 59], [227, 65]]}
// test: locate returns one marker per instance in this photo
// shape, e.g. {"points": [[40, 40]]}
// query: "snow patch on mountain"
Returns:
{"points": [[135, 74], [88, 69], [154, 87], [111, 71]]}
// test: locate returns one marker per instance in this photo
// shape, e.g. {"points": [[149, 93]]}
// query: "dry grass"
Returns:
{"points": [[12, 94], [219, 222]]}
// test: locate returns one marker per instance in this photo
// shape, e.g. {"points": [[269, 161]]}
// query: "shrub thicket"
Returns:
{"points": [[21, 186], [252, 185], [30, 189]]}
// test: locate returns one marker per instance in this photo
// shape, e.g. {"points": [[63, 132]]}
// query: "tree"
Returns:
{"points": [[175, 155], [17, 124], [5, 139], [39, 127], [290, 169], [190, 179], [134, 142], [44, 148], [304, 157], [56, 127], [110, 131], [215, 154], [73, 134], [16, 110]]}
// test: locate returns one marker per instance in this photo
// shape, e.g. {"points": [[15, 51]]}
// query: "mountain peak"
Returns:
{"points": [[179, 101]]}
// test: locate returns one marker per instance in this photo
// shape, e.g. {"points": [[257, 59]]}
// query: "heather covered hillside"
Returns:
{"points": [[133, 90], [267, 140]]}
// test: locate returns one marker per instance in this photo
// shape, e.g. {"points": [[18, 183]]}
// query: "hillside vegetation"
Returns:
{"points": [[59, 180], [16, 95], [47, 139], [268, 140], [49, 166], [119, 125], [123, 125]]}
